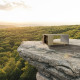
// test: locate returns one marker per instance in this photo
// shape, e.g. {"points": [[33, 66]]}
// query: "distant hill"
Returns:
{"points": [[7, 26], [25, 24], [12, 25]]}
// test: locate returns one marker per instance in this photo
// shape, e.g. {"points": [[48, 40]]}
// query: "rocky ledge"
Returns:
{"points": [[55, 62]]}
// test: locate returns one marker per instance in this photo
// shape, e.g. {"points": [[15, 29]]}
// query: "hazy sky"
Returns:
{"points": [[40, 11]]}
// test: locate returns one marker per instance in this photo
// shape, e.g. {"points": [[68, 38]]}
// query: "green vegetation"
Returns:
{"points": [[12, 67]]}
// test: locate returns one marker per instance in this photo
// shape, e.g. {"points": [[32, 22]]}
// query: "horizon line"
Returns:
{"points": [[39, 23]]}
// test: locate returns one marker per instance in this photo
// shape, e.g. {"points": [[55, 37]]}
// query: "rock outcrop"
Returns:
{"points": [[55, 62]]}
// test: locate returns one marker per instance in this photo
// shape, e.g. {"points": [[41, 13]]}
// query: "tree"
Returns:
{"points": [[11, 42], [2, 75], [2, 49], [29, 72]]}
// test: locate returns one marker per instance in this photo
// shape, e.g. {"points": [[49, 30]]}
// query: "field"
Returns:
{"points": [[12, 67]]}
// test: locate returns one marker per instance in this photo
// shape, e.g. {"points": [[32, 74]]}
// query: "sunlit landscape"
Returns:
{"points": [[28, 20]]}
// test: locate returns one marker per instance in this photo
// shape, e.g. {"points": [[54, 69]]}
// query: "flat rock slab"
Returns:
{"points": [[62, 62]]}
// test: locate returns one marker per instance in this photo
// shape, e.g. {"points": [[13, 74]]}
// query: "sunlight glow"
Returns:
{"points": [[51, 11]]}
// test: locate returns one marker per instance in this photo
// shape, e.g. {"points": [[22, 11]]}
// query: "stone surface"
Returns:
{"points": [[54, 62], [41, 77]]}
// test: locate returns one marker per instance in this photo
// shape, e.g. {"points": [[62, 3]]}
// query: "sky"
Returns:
{"points": [[40, 11]]}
